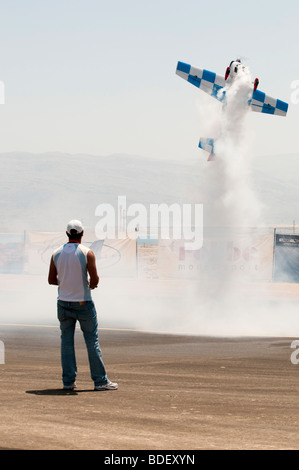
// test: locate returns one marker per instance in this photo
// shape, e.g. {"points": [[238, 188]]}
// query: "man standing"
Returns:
{"points": [[69, 269]]}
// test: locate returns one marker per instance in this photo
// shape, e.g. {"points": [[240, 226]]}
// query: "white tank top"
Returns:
{"points": [[71, 265]]}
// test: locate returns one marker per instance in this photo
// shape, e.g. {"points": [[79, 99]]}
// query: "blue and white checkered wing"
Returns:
{"points": [[207, 81], [262, 103]]}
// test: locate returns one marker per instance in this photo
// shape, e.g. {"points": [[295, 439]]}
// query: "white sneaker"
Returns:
{"points": [[70, 387], [108, 386]]}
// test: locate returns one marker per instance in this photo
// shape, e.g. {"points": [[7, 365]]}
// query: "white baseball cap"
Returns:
{"points": [[75, 226]]}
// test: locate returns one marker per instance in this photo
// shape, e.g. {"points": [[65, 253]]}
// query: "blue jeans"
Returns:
{"points": [[68, 313]]}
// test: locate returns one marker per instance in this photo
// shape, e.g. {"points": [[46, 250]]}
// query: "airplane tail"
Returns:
{"points": [[208, 146]]}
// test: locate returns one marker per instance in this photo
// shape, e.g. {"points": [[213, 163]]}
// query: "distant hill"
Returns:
{"points": [[42, 192], [276, 182]]}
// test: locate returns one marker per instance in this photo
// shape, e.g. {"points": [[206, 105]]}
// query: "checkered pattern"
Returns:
{"points": [[202, 79], [207, 145], [214, 84], [262, 103]]}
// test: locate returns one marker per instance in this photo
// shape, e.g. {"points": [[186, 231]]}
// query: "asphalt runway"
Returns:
{"points": [[175, 392]]}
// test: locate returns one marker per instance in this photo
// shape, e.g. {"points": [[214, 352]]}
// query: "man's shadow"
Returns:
{"points": [[57, 391]]}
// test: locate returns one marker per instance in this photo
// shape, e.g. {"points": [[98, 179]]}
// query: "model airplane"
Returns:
{"points": [[216, 85]]}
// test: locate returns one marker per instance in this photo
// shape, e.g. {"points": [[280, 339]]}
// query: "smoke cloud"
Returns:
{"points": [[226, 303], [215, 303]]}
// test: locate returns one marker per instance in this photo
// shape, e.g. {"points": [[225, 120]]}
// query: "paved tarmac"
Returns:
{"points": [[175, 392]]}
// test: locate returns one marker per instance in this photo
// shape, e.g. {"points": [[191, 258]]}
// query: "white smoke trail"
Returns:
{"points": [[230, 206], [239, 205], [231, 201]]}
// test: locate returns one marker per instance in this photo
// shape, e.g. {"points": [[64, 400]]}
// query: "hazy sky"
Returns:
{"points": [[98, 77]]}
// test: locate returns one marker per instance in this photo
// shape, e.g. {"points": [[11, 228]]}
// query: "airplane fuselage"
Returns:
{"points": [[233, 70]]}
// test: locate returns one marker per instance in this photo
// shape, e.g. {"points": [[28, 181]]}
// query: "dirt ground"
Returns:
{"points": [[175, 392]]}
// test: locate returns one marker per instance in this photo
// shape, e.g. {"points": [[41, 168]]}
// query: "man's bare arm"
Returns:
{"points": [[52, 278], [92, 270]]}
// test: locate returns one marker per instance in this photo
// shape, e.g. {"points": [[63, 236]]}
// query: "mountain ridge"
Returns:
{"points": [[41, 191]]}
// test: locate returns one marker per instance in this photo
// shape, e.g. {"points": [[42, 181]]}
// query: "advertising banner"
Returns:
{"points": [[11, 253], [114, 257], [286, 258]]}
